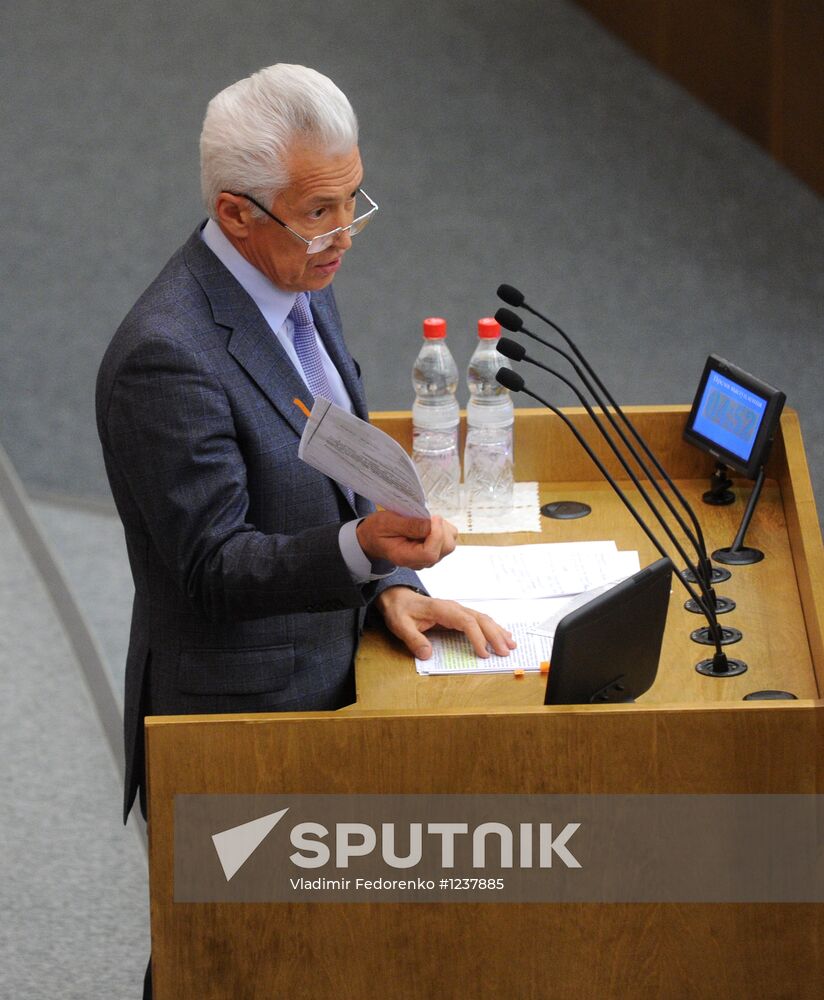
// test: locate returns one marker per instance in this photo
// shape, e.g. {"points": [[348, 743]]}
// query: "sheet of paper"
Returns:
{"points": [[532, 622], [531, 611], [358, 455], [490, 572], [547, 626], [452, 653]]}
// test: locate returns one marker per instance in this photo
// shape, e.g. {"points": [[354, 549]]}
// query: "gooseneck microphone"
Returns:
{"points": [[517, 352], [702, 575], [511, 295], [720, 665], [705, 573], [515, 298]]}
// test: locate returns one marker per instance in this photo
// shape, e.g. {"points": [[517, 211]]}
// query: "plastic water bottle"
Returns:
{"points": [[488, 459], [435, 419]]}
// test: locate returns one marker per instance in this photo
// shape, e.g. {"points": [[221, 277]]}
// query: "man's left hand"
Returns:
{"points": [[408, 615]]}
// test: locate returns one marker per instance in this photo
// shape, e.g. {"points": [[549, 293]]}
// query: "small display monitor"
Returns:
{"points": [[608, 650], [734, 416]]}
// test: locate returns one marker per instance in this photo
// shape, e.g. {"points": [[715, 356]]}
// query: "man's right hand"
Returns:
{"points": [[413, 542]]}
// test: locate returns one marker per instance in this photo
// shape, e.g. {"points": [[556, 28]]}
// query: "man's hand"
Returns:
{"points": [[413, 542], [408, 615]]}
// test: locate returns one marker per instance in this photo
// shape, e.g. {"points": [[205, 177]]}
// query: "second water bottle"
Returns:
{"points": [[435, 419], [488, 464]]}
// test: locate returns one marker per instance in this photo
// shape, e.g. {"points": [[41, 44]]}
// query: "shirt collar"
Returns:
{"points": [[273, 302]]}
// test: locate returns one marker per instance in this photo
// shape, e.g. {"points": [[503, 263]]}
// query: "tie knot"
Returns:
{"points": [[300, 313]]}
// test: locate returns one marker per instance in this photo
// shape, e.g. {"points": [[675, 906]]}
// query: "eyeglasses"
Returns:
{"points": [[319, 243]]}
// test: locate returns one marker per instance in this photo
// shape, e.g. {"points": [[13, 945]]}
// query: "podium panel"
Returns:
{"points": [[492, 735]]}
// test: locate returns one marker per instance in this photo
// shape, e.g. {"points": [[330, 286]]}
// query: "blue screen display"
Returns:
{"points": [[729, 415]]}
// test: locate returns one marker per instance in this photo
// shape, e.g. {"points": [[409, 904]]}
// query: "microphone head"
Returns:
{"points": [[511, 349], [509, 379], [509, 320], [510, 295]]}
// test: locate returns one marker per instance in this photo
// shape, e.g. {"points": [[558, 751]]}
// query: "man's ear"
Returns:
{"points": [[234, 213]]}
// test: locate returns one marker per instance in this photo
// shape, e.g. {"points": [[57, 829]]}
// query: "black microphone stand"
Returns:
{"points": [[516, 352], [703, 575], [714, 574], [720, 665]]}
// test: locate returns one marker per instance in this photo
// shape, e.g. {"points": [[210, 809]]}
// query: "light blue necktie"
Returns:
{"points": [[306, 347], [308, 352]]}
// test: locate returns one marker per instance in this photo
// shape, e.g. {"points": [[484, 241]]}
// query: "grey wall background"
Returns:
{"points": [[514, 143]]}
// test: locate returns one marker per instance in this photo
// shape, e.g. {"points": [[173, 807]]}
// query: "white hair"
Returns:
{"points": [[250, 127]]}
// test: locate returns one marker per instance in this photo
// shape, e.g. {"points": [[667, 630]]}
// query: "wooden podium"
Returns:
{"points": [[492, 734]]}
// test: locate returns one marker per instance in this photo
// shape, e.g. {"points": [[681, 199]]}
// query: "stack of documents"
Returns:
{"points": [[525, 588], [362, 457]]}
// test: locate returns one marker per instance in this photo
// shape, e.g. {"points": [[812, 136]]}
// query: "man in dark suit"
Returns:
{"points": [[253, 571]]}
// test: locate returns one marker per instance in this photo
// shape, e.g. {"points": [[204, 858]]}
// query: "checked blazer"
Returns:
{"points": [[243, 601]]}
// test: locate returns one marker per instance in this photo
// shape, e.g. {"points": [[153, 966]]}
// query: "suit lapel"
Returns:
{"points": [[258, 351], [252, 343], [256, 348], [328, 325]]}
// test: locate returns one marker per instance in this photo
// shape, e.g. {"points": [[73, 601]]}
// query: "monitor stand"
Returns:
{"points": [[739, 554]]}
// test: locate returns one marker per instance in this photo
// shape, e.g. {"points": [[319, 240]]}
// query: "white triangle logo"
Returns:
{"points": [[236, 845]]}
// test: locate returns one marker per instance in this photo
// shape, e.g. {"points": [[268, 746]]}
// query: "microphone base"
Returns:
{"points": [[729, 635], [770, 696], [566, 510], [738, 557], [723, 499], [709, 668], [719, 575], [723, 605]]}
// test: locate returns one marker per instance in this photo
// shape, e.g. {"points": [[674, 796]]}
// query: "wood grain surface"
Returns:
{"points": [[492, 734], [483, 950]]}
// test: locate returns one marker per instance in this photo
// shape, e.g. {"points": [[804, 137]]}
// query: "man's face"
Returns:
{"points": [[320, 197]]}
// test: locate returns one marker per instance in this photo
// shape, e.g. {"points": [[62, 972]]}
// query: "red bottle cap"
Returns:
{"points": [[434, 328], [488, 328]]}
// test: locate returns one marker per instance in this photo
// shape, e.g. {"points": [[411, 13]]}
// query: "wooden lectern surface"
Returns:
{"points": [[768, 612], [769, 595], [483, 735]]}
